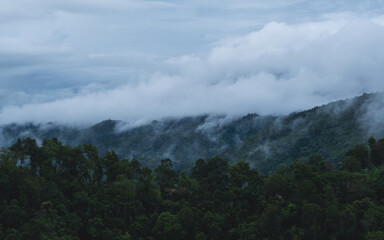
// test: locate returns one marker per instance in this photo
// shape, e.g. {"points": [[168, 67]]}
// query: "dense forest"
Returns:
{"points": [[55, 191]]}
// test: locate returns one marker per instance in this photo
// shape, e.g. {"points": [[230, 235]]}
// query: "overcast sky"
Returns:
{"points": [[84, 61]]}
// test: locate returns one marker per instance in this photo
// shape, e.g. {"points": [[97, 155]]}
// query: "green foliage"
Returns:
{"points": [[58, 192], [165, 177], [351, 164], [377, 152], [361, 153], [379, 235], [167, 227], [13, 216]]}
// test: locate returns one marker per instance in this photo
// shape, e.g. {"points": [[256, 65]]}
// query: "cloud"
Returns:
{"points": [[278, 69], [86, 61], [372, 117]]}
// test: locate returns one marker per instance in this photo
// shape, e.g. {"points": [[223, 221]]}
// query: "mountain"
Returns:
{"points": [[267, 142]]}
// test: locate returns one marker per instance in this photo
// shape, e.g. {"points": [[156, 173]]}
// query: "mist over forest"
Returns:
{"points": [[266, 142], [210, 120]]}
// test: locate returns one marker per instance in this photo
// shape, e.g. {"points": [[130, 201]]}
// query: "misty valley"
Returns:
{"points": [[316, 174]]}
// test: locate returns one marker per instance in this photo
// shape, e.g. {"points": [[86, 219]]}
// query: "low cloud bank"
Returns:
{"points": [[276, 70]]}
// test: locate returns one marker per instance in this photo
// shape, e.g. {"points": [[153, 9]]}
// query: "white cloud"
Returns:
{"points": [[279, 69], [86, 61]]}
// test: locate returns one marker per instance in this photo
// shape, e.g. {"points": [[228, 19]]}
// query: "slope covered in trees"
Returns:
{"points": [[56, 191], [267, 143]]}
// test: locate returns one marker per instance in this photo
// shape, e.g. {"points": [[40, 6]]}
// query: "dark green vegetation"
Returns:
{"points": [[267, 143], [56, 191]]}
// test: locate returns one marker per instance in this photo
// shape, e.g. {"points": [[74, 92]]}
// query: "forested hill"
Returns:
{"points": [[266, 142]]}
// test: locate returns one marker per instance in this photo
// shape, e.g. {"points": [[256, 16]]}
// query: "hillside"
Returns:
{"points": [[266, 142]]}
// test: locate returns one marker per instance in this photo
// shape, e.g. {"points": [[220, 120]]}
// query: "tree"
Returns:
{"points": [[373, 218], [111, 162], [189, 221], [28, 149], [135, 169], [212, 173], [351, 164], [93, 168], [317, 162], [12, 234], [277, 185], [167, 227], [311, 220], [165, 177], [212, 225], [245, 231], [377, 153], [379, 235], [13, 216], [371, 143], [270, 223], [361, 153], [241, 176]]}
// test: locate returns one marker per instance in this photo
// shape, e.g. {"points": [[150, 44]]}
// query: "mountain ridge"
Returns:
{"points": [[266, 142]]}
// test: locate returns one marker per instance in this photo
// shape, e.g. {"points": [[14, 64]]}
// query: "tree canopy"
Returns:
{"points": [[56, 191]]}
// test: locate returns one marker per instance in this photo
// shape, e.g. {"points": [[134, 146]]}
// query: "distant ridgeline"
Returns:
{"points": [[57, 192], [267, 143]]}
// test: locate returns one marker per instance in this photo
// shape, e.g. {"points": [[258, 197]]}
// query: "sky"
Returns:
{"points": [[84, 61]]}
